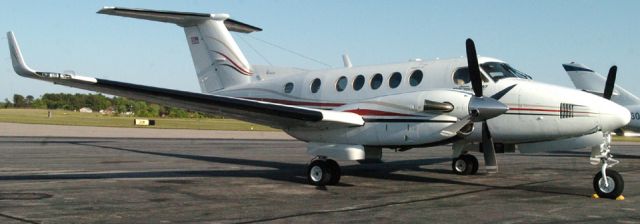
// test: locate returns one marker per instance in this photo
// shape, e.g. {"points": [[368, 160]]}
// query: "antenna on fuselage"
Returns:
{"points": [[346, 61]]}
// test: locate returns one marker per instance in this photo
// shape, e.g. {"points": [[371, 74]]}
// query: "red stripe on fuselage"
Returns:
{"points": [[544, 110], [367, 112], [241, 69]]}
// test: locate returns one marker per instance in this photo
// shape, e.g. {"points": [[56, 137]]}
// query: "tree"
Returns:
{"points": [[39, 104], [97, 102], [177, 113], [29, 100], [7, 103], [19, 101]]}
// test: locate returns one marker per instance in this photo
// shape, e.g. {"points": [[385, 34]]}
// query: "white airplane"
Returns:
{"points": [[352, 113], [587, 80]]}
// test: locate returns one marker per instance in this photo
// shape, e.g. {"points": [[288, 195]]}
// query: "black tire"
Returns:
{"points": [[318, 173], [335, 170], [474, 164], [465, 165], [613, 191]]}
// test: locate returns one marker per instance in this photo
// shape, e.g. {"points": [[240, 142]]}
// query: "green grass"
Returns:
{"points": [[616, 138], [63, 117]]}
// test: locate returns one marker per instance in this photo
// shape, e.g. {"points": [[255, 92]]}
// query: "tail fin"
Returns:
{"points": [[218, 61], [586, 79]]}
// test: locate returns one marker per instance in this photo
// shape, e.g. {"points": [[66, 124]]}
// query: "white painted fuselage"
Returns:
{"points": [[395, 117]]}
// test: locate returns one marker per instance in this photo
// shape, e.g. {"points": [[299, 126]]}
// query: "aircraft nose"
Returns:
{"points": [[612, 115]]}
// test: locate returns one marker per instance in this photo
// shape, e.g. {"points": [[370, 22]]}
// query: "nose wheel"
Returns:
{"points": [[609, 184], [323, 172], [465, 164]]}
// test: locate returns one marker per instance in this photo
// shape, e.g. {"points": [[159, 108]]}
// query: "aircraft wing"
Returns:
{"points": [[266, 113]]}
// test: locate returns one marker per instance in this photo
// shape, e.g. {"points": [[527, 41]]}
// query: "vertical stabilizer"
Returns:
{"points": [[218, 61], [588, 80]]}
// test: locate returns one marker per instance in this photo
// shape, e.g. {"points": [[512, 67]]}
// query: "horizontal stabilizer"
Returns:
{"points": [[183, 19]]}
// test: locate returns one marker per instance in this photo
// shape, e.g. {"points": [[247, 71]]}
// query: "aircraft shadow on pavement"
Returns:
{"points": [[582, 154], [289, 172]]}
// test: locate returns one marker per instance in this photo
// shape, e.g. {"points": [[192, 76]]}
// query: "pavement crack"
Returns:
{"points": [[351, 209], [18, 218]]}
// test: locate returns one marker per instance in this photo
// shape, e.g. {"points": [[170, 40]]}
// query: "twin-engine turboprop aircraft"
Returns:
{"points": [[353, 113]]}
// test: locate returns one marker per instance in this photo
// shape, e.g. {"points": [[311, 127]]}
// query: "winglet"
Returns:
{"points": [[16, 58]]}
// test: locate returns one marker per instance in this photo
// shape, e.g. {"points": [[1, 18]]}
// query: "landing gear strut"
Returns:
{"points": [[323, 171], [465, 164], [606, 183]]}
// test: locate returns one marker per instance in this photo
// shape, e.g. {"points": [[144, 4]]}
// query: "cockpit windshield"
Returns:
{"points": [[498, 70]]}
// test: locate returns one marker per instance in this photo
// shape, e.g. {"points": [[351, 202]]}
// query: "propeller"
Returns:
{"points": [[481, 109], [474, 68], [610, 84]]}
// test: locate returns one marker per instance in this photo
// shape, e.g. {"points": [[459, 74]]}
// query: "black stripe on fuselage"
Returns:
{"points": [[534, 114]]}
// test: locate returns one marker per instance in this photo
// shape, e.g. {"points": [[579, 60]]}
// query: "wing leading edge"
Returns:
{"points": [[271, 114]]}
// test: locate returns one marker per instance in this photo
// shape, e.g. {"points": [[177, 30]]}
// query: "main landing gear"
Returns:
{"points": [[606, 183], [465, 164], [323, 171]]}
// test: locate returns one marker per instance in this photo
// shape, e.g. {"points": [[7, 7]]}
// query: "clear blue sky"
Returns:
{"points": [[534, 36]]}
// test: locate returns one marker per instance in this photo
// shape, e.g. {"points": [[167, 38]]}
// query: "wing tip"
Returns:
{"points": [[19, 66]]}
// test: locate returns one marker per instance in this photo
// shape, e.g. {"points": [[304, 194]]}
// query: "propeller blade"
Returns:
{"points": [[474, 70], [488, 150], [610, 84], [503, 92], [453, 129]]}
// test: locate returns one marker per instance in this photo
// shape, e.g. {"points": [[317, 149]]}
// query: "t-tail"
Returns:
{"points": [[590, 81], [218, 61]]}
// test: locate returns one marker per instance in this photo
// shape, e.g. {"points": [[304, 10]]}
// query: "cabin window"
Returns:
{"points": [[461, 76], [288, 87], [395, 80], [376, 81], [341, 84], [315, 85], [499, 71], [415, 78], [358, 82]]}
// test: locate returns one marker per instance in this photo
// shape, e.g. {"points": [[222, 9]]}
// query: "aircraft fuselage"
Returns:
{"points": [[393, 108]]}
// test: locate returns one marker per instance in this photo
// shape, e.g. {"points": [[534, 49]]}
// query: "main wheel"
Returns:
{"points": [[613, 189], [318, 173], [465, 165], [335, 171]]}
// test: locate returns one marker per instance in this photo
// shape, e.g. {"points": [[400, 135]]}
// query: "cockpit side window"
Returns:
{"points": [[497, 71], [461, 76]]}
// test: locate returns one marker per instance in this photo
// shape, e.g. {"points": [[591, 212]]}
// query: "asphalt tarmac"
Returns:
{"points": [[129, 180]]}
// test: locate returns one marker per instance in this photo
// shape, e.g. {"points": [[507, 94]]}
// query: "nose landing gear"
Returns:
{"points": [[606, 183]]}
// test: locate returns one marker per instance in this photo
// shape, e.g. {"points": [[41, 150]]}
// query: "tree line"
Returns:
{"points": [[118, 106]]}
